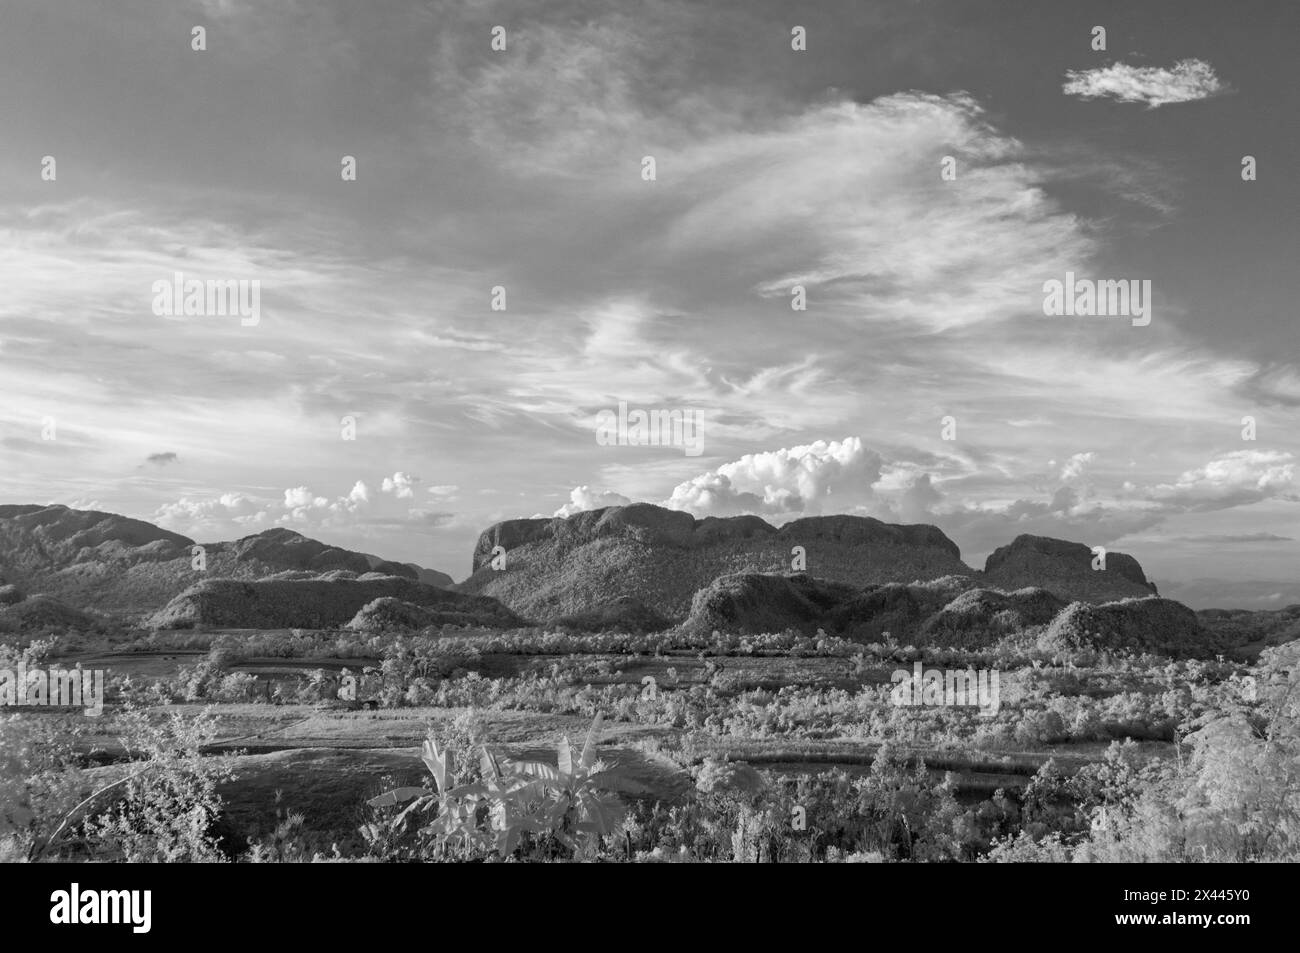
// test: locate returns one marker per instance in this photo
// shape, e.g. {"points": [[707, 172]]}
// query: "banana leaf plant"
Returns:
{"points": [[454, 819], [571, 798]]}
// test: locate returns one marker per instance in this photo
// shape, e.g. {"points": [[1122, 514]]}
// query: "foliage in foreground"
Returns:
{"points": [[163, 808], [514, 805]]}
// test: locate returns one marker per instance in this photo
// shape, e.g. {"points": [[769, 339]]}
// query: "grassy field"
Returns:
{"points": [[798, 717]]}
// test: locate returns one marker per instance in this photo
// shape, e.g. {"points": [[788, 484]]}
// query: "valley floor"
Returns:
{"points": [[808, 719]]}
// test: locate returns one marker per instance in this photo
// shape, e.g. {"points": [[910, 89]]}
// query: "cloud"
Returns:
{"points": [[214, 517], [785, 206], [1238, 478], [400, 484], [223, 8], [918, 500], [300, 498], [161, 459], [1188, 81], [779, 484], [430, 518], [1075, 466], [232, 514], [1229, 539], [800, 480], [845, 476], [1206, 593], [682, 300], [585, 498], [835, 476]]}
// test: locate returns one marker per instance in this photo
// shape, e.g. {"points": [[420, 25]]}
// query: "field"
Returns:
{"points": [[268, 745]]}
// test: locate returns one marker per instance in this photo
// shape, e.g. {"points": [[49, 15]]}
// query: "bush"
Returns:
{"points": [[168, 805]]}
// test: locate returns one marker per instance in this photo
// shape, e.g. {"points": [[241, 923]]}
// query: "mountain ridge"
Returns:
{"points": [[92, 559], [548, 568]]}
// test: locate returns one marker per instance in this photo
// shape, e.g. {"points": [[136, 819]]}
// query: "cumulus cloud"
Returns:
{"points": [[301, 505], [199, 518], [401, 485], [845, 476], [1188, 81], [1231, 479], [918, 500], [585, 498], [301, 497], [359, 509], [835, 475], [827, 476]]}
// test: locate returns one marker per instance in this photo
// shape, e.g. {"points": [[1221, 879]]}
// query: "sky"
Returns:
{"points": [[439, 337]]}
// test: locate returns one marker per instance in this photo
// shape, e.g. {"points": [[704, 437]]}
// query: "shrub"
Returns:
{"points": [[168, 804]]}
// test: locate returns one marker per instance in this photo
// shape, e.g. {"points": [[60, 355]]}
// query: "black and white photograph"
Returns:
{"points": [[645, 432]]}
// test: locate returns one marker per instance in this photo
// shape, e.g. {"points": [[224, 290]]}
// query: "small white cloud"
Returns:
{"points": [[1075, 466], [1188, 81], [201, 516], [401, 485], [585, 498], [301, 497]]}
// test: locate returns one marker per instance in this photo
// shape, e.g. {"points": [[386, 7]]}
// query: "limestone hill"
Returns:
{"points": [[659, 557], [1065, 569], [1249, 632], [41, 613], [946, 612], [1150, 624], [553, 568], [390, 614], [90, 559], [328, 601]]}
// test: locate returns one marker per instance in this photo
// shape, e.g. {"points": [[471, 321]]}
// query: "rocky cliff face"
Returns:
{"points": [[557, 567], [659, 557], [1065, 569], [652, 525]]}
